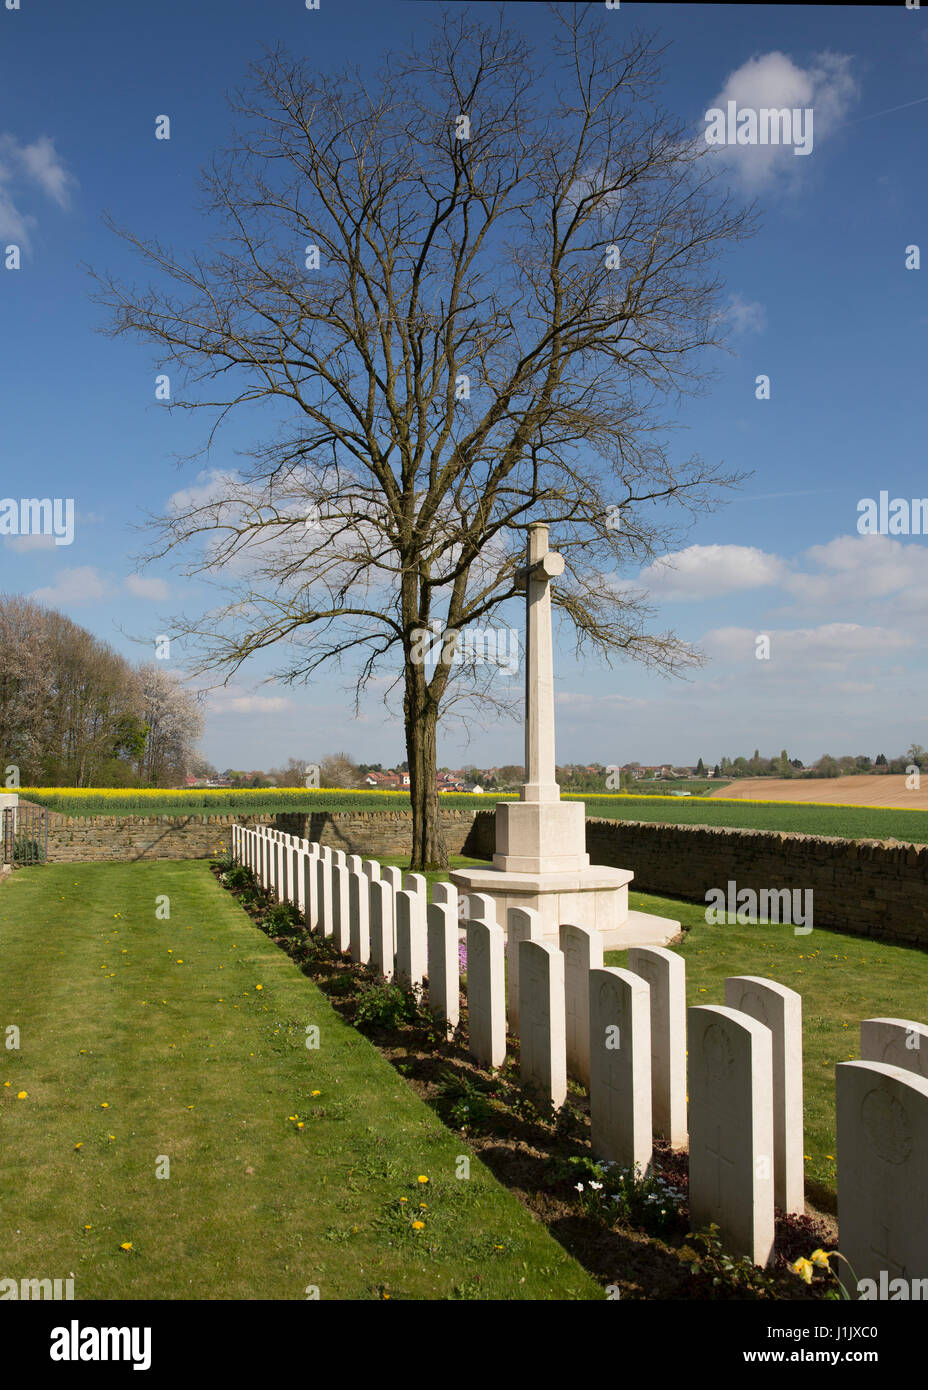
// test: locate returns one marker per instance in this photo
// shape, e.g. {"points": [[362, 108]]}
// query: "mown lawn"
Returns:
{"points": [[842, 979], [144, 1039]]}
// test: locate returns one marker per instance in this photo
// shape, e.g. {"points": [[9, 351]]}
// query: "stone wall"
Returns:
{"points": [[124, 838], [867, 887]]}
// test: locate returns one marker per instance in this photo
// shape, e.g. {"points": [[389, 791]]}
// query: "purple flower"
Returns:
{"points": [[462, 955]]}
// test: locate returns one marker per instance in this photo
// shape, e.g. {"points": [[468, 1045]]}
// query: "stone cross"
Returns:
{"points": [[542, 565]]}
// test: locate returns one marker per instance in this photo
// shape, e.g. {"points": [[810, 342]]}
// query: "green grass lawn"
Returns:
{"points": [[845, 822], [143, 1039], [842, 979]]}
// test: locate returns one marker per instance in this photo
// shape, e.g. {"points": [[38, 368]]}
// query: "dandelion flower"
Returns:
{"points": [[80, 1145], [22, 1095], [126, 1245], [418, 1225], [422, 1178]]}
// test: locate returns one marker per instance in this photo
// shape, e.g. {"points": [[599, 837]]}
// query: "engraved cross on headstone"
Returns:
{"points": [[542, 565]]}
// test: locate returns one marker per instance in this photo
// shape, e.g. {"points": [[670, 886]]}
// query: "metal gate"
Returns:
{"points": [[25, 835]]}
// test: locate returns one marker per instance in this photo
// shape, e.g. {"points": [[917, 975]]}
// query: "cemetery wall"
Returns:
{"points": [[72, 839], [866, 887]]}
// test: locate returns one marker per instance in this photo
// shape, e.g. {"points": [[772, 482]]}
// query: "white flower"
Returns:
{"points": [[596, 1186], [579, 1186]]}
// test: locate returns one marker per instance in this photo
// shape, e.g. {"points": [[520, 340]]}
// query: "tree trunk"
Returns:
{"points": [[420, 709]]}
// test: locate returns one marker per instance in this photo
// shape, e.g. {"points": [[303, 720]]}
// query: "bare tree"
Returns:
{"points": [[467, 296]]}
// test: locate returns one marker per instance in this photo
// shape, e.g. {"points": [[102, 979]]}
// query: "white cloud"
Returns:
{"points": [[146, 588], [707, 571], [36, 542], [80, 585], [24, 165], [774, 81], [746, 316], [861, 569], [830, 647], [229, 700]]}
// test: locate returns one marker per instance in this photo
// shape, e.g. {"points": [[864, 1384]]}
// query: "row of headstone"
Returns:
{"points": [[727, 1079]]}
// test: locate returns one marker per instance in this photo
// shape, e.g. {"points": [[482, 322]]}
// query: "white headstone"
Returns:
{"points": [[383, 946], [582, 948], [780, 1009], [896, 1041], [392, 875], [542, 1036], [620, 1070], [354, 863], [522, 924], [731, 1129], [443, 965], [486, 996], [371, 868], [415, 883], [665, 973], [324, 897], [310, 891], [359, 941], [341, 920], [445, 894], [882, 1114], [411, 940]]}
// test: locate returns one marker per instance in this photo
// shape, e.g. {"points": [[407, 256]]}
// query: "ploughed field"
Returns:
{"points": [[865, 790]]}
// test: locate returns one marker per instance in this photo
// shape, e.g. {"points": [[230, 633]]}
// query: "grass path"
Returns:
{"points": [[144, 1039]]}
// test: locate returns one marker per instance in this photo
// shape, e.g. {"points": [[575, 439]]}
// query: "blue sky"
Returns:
{"points": [[820, 301]]}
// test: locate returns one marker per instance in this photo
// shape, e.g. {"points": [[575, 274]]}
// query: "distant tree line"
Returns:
{"points": [[75, 713], [826, 766]]}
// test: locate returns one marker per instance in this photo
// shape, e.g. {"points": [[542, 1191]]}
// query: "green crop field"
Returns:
{"points": [[808, 818]]}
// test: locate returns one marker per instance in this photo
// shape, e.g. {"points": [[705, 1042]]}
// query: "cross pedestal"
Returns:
{"points": [[541, 860]]}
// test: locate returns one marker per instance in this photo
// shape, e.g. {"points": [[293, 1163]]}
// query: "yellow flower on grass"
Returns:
{"points": [[404, 1199], [179, 961], [259, 986], [104, 1105], [7, 1083], [422, 1178], [803, 1268], [126, 1245], [80, 1145], [314, 1093], [300, 1125], [88, 1228], [418, 1225], [22, 1095]]}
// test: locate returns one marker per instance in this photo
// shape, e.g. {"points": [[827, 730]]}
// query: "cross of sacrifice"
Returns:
{"points": [[542, 565]]}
